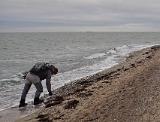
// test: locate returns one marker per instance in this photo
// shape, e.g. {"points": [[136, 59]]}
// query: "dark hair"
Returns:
{"points": [[54, 70]]}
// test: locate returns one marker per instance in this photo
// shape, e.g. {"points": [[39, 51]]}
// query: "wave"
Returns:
{"points": [[97, 55], [112, 57]]}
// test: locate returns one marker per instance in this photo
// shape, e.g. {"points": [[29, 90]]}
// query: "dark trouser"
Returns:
{"points": [[26, 88], [31, 78]]}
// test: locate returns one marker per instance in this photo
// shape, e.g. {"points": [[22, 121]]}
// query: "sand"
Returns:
{"points": [[128, 92]]}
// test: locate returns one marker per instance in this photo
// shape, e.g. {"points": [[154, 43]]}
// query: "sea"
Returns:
{"points": [[75, 54]]}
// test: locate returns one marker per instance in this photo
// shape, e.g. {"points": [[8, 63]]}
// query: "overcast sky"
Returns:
{"points": [[79, 15]]}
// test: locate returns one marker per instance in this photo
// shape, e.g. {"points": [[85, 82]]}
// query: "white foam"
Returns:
{"points": [[126, 49], [97, 55], [115, 55]]}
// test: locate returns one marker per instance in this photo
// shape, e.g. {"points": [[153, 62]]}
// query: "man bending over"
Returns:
{"points": [[37, 73]]}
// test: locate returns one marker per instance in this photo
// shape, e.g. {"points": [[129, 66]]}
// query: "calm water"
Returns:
{"points": [[75, 54]]}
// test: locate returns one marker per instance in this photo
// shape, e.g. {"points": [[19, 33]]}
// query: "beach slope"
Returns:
{"points": [[128, 92]]}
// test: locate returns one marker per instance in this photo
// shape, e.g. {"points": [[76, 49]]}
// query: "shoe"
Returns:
{"points": [[22, 103], [37, 101], [50, 93]]}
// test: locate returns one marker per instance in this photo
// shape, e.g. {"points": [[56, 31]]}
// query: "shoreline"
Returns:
{"points": [[76, 90], [112, 55], [73, 86]]}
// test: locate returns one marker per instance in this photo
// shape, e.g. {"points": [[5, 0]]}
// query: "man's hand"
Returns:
{"points": [[50, 93]]}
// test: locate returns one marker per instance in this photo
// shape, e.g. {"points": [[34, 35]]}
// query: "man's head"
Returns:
{"points": [[54, 70]]}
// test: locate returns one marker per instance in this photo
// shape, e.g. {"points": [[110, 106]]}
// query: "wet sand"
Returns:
{"points": [[128, 92]]}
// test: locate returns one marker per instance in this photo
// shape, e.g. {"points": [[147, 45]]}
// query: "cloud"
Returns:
{"points": [[76, 13]]}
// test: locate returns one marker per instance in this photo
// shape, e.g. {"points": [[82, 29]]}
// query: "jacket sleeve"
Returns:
{"points": [[48, 81]]}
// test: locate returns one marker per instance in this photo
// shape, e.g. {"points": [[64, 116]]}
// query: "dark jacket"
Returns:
{"points": [[42, 70]]}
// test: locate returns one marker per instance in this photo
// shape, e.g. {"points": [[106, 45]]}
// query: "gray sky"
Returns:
{"points": [[79, 15]]}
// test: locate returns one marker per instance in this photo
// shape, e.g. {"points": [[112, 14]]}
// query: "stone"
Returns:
{"points": [[54, 100], [71, 104]]}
